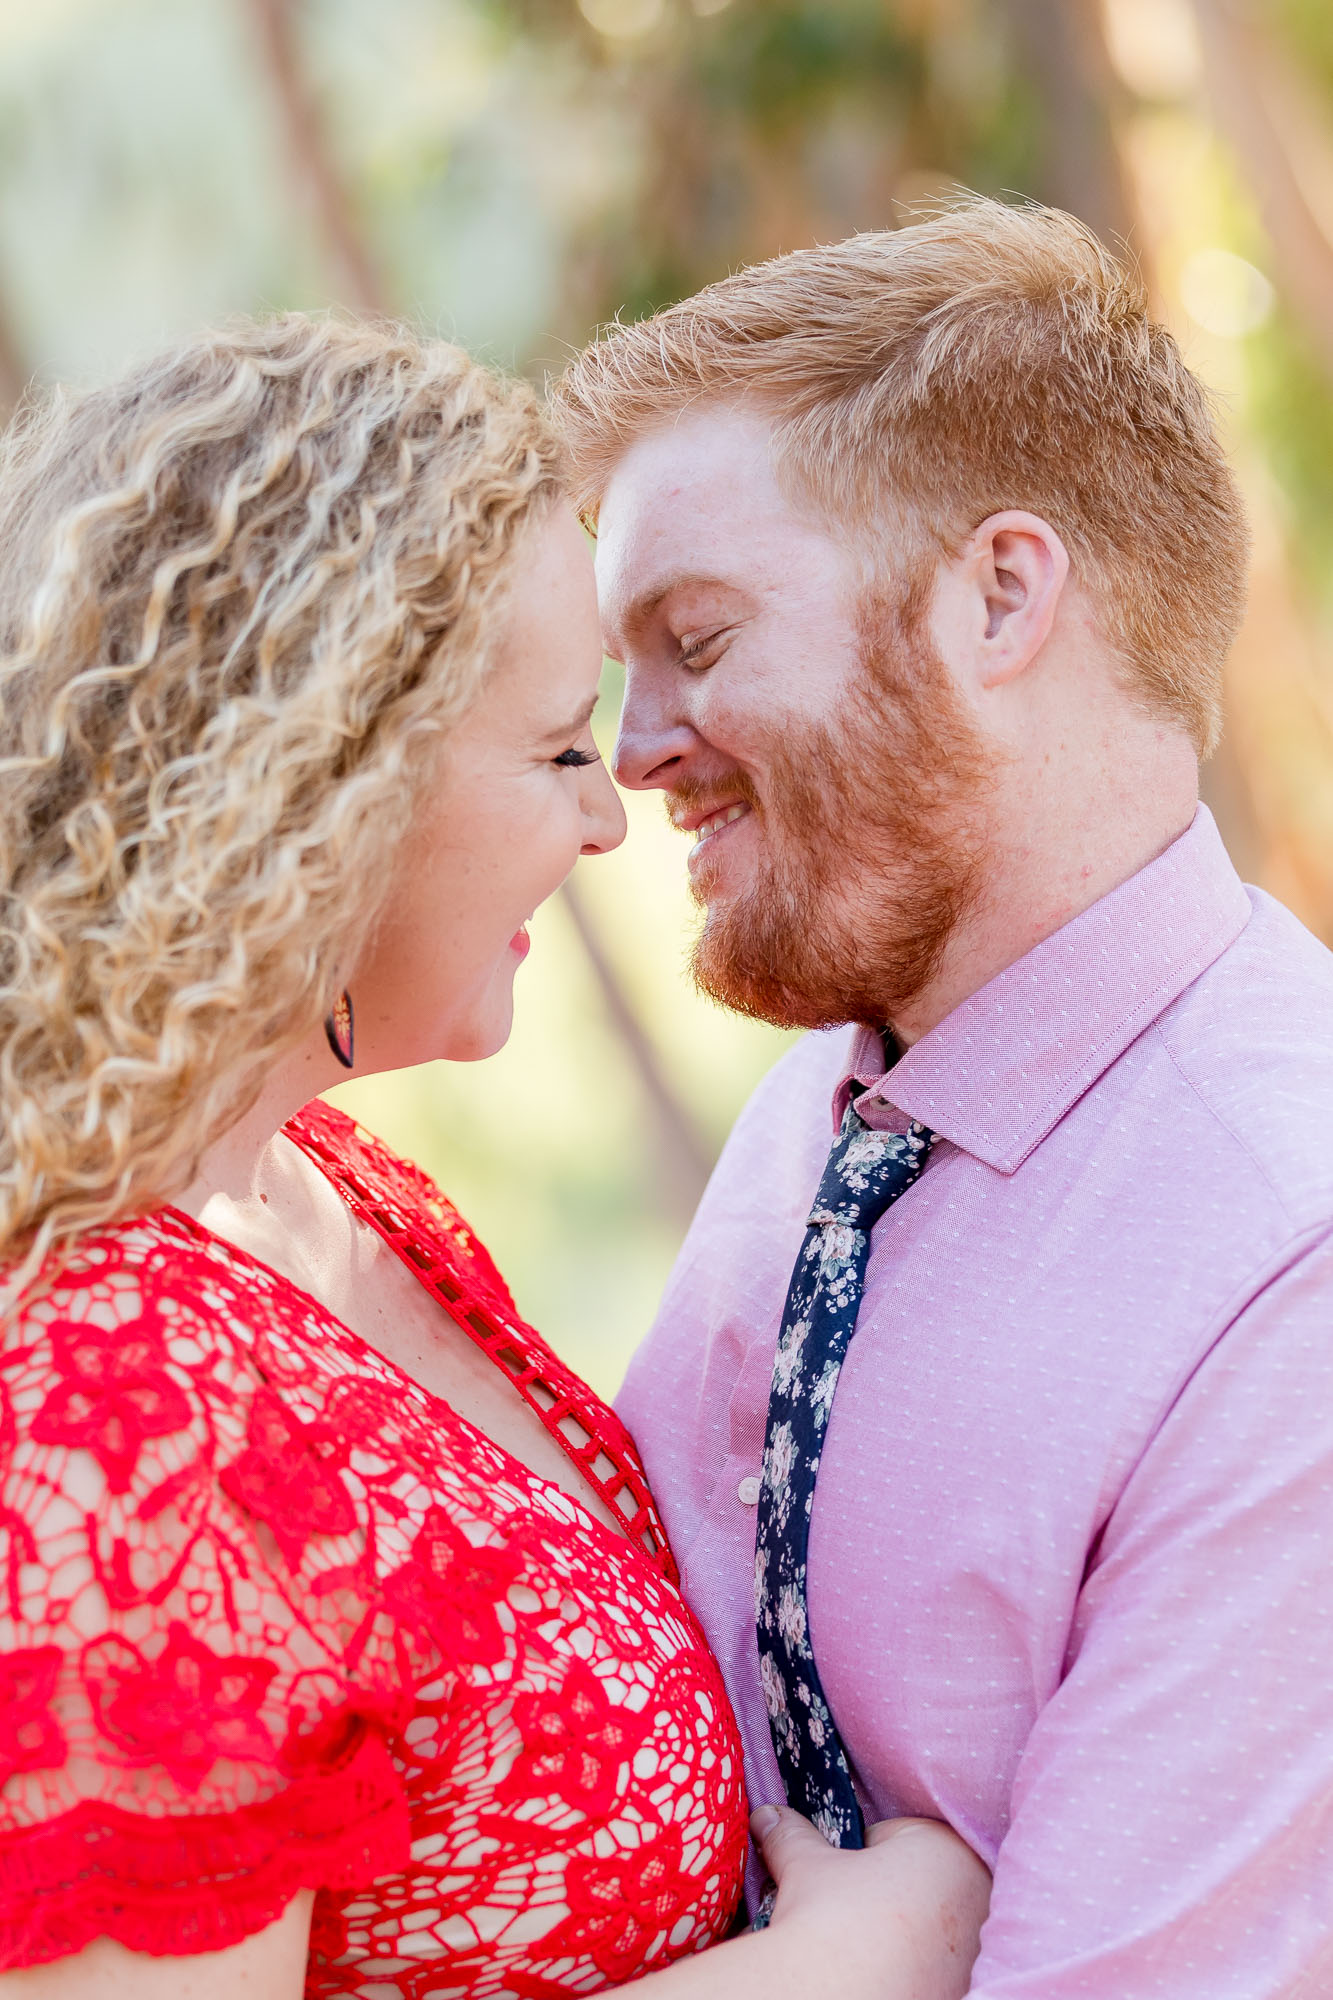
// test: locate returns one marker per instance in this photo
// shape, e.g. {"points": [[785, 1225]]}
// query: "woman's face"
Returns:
{"points": [[521, 794]]}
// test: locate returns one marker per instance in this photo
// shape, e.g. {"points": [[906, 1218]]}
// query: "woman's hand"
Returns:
{"points": [[913, 1900]]}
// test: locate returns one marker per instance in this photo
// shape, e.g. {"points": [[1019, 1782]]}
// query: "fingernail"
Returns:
{"points": [[763, 1820]]}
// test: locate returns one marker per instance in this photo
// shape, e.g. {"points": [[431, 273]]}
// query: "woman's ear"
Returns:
{"points": [[1013, 568]]}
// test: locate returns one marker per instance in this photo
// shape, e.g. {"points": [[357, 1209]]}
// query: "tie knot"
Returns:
{"points": [[866, 1171]]}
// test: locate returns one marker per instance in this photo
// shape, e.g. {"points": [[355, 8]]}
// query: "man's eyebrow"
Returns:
{"points": [[578, 722], [649, 600]]}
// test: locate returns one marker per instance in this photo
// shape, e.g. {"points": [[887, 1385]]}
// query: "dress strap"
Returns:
{"points": [[422, 1228]]}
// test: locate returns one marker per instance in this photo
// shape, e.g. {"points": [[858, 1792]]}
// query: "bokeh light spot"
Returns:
{"points": [[1153, 46], [1223, 294], [622, 20]]}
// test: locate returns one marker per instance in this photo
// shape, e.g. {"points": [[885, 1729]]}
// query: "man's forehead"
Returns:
{"points": [[707, 464], [696, 503]]}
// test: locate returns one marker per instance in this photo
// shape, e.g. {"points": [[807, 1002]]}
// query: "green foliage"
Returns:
{"points": [[775, 122], [1292, 404], [1306, 27], [777, 66]]}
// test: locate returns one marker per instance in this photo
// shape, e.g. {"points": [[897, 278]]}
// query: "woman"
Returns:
{"points": [[341, 1648]]}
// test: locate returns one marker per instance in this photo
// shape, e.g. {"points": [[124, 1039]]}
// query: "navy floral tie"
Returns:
{"points": [[866, 1173]]}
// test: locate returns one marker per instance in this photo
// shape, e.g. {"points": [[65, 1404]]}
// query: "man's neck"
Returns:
{"points": [[1035, 891]]}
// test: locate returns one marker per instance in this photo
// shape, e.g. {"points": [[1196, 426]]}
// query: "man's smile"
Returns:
{"points": [[716, 821], [708, 825]]}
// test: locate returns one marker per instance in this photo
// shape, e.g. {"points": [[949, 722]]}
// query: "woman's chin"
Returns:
{"points": [[485, 1034], [472, 1026]]}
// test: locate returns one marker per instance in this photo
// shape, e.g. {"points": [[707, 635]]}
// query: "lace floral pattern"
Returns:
{"points": [[272, 1616]]}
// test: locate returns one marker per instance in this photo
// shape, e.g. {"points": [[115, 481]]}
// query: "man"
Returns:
{"points": [[922, 559]]}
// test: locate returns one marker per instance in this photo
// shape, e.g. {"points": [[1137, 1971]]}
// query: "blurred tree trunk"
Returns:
{"points": [[1063, 47], [683, 1162], [1062, 52], [683, 1157], [1280, 723], [313, 164], [1255, 98], [15, 373], [1278, 702]]}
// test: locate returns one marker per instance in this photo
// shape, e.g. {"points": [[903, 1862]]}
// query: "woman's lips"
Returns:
{"points": [[520, 943]]}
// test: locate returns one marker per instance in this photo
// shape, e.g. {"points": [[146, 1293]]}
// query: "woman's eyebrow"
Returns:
{"points": [[575, 724]]}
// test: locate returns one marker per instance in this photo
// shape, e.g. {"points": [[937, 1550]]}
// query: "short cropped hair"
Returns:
{"points": [[243, 593], [922, 379]]}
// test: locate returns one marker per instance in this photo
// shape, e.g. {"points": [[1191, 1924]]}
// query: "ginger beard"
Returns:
{"points": [[870, 847]]}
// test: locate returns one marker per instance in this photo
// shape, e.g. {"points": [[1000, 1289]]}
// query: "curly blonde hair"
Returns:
{"points": [[242, 593]]}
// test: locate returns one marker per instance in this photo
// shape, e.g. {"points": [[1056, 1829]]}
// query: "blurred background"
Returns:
{"points": [[511, 173]]}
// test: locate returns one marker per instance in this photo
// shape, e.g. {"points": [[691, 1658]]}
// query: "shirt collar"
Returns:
{"points": [[999, 1072]]}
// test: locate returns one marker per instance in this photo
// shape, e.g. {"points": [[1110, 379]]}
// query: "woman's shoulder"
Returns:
{"points": [[171, 1402], [190, 1686], [104, 1306], [160, 1372], [154, 1375], [402, 1202], [159, 1300]]}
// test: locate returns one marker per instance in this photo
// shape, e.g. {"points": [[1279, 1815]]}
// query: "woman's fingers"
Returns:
{"points": [[951, 1877], [891, 1829], [941, 1846], [782, 1837], [904, 1914]]}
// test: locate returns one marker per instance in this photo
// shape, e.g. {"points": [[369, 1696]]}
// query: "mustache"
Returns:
{"points": [[696, 794]]}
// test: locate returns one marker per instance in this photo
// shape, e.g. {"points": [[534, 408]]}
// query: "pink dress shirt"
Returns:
{"points": [[1071, 1559]]}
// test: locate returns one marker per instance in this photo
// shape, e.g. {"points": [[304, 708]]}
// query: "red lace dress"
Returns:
{"points": [[273, 1617]]}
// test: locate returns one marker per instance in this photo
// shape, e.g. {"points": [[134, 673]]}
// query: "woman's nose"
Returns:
{"points": [[604, 824]]}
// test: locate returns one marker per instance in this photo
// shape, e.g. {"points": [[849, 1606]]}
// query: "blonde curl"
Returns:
{"points": [[243, 592]]}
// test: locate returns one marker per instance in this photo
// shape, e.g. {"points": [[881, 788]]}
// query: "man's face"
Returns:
{"points": [[804, 733]]}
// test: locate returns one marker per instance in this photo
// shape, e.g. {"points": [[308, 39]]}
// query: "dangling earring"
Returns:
{"points": [[338, 1028]]}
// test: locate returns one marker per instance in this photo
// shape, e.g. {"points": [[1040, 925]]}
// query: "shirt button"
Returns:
{"points": [[748, 1490]]}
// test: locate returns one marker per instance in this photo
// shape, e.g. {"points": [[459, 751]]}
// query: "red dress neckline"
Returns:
{"points": [[604, 1453]]}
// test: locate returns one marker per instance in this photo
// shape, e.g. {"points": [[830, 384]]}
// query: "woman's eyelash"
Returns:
{"points": [[574, 760]]}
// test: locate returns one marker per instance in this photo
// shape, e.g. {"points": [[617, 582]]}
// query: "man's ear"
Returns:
{"points": [[1013, 568]]}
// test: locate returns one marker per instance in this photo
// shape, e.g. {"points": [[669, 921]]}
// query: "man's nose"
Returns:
{"points": [[651, 747]]}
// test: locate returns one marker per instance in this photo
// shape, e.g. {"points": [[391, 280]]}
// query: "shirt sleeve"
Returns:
{"points": [[197, 1701], [1172, 1828]]}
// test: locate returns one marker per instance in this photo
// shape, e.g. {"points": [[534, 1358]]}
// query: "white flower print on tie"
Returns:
{"points": [[866, 1173]]}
